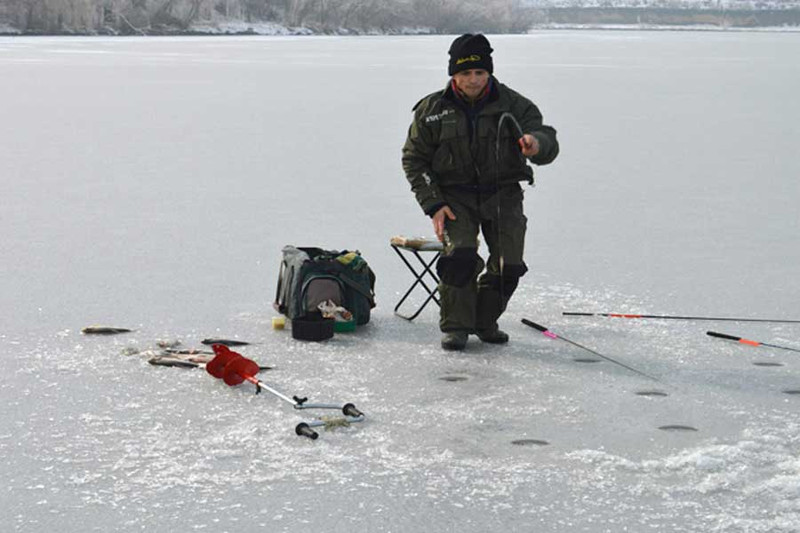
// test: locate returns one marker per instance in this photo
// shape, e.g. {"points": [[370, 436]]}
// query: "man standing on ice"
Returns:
{"points": [[466, 152]]}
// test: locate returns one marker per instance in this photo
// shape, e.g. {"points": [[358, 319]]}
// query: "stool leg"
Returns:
{"points": [[418, 281], [426, 269]]}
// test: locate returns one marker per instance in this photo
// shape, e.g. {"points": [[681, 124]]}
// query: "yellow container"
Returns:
{"points": [[278, 322]]}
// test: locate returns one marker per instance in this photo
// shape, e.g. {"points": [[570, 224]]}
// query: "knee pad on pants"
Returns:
{"points": [[507, 282], [458, 268]]}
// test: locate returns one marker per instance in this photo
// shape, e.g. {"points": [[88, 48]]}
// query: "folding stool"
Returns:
{"points": [[414, 246]]}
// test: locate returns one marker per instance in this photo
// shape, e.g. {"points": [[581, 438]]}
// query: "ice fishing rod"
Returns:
{"points": [[514, 121], [501, 262], [233, 368], [748, 341], [552, 335], [672, 317]]}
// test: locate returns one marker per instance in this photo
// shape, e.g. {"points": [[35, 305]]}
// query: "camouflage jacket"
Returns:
{"points": [[450, 144]]}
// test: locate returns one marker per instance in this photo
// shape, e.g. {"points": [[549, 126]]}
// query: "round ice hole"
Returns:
{"points": [[767, 363], [586, 360], [676, 427], [792, 391], [651, 393], [529, 442], [453, 378]]}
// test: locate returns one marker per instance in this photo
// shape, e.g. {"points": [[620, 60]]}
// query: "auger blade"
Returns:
{"points": [[238, 370], [216, 367]]}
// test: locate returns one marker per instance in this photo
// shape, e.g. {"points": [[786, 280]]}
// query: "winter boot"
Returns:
{"points": [[454, 340], [493, 336]]}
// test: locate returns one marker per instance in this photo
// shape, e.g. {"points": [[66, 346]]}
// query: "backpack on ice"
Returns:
{"points": [[310, 276]]}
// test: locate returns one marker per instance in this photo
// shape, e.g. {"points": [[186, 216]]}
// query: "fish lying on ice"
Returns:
{"points": [[186, 360], [226, 342], [104, 330], [180, 360], [188, 351]]}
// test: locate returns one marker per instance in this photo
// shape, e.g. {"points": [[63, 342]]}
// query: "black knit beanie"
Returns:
{"points": [[470, 51]]}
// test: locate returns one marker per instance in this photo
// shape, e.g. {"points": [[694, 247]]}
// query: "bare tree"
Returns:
{"points": [[143, 16], [297, 11]]}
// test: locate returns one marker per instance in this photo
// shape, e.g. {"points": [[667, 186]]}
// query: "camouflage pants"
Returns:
{"points": [[473, 299]]}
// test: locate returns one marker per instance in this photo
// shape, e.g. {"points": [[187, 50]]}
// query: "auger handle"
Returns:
{"points": [[534, 325], [350, 410], [723, 336], [303, 430]]}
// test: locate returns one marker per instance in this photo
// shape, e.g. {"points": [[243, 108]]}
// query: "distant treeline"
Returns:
{"points": [[320, 16], [160, 17], [742, 18]]}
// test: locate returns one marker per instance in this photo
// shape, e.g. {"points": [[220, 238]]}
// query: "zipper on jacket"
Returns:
{"points": [[473, 148]]}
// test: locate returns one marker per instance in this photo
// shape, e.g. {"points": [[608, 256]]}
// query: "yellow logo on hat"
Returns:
{"points": [[473, 57]]}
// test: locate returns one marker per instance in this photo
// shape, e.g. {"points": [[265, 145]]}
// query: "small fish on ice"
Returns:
{"points": [[104, 330]]}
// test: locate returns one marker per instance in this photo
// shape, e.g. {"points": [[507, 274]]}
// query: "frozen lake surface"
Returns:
{"points": [[151, 183]]}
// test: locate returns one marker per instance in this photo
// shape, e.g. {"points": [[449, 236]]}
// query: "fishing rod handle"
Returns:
{"points": [[534, 325], [568, 313], [723, 336], [304, 430]]}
